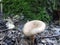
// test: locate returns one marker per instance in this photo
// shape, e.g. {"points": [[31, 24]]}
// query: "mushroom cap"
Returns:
{"points": [[33, 27]]}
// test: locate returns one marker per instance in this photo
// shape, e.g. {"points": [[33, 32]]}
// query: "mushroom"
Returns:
{"points": [[33, 27]]}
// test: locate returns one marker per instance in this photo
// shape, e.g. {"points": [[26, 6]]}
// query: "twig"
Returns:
{"points": [[53, 36]]}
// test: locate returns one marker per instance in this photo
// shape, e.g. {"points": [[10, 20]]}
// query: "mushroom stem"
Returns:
{"points": [[32, 38]]}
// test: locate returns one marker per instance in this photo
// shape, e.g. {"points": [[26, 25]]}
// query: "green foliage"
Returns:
{"points": [[32, 9], [58, 4]]}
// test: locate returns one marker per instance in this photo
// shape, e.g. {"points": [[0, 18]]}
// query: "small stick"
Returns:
{"points": [[49, 36]]}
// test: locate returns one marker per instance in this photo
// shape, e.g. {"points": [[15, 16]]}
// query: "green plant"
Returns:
{"points": [[32, 9]]}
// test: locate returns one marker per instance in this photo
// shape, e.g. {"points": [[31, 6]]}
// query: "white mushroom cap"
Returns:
{"points": [[33, 27]]}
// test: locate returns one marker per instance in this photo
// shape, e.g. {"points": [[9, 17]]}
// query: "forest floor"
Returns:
{"points": [[51, 36]]}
